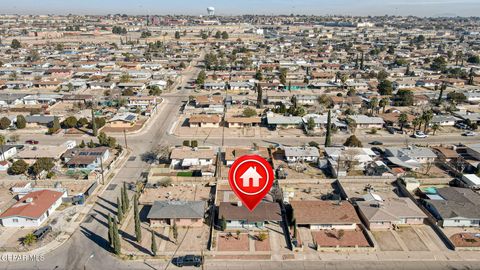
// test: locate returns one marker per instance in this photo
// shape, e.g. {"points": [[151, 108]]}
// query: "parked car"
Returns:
{"points": [[391, 130], [31, 142], [469, 133], [376, 143], [462, 126], [41, 232], [187, 260], [420, 135]]}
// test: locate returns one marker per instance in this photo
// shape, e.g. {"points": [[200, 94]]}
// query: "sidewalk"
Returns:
{"points": [[77, 219]]}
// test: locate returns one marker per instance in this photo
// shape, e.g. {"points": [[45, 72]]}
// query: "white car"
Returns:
{"points": [[419, 134], [469, 133]]}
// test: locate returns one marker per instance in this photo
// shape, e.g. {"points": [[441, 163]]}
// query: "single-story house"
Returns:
{"points": [[180, 213], [7, 152], [306, 154], [123, 120], [238, 216], [364, 121], [32, 209], [454, 207], [278, 121], [232, 153], [240, 122], [323, 215], [86, 158], [203, 120], [421, 154], [444, 120], [383, 214], [186, 157]]}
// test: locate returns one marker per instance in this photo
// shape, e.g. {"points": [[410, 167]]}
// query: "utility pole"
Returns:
{"points": [[125, 138], [101, 169]]}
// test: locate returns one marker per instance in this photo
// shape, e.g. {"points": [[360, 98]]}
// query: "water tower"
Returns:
{"points": [[211, 11]]}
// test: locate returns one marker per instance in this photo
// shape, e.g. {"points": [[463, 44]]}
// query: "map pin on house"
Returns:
{"points": [[251, 178]]}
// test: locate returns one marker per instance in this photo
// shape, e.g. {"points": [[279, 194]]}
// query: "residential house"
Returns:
{"points": [[325, 215], [180, 213], [356, 158], [204, 121], [232, 153], [238, 216], [364, 121], [7, 152], [34, 121], [454, 207], [241, 122], [86, 158], [383, 214], [123, 120], [321, 121], [301, 154], [32, 209], [444, 120], [206, 101], [279, 121], [411, 157], [4, 165], [186, 157], [474, 150]]}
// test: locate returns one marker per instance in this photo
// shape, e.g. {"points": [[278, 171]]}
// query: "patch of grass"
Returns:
{"points": [[185, 174]]}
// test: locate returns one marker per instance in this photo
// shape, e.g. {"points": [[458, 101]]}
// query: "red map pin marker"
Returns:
{"points": [[251, 178]]}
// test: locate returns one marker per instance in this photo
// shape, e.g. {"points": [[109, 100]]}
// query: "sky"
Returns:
{"points": [[423, 8]]}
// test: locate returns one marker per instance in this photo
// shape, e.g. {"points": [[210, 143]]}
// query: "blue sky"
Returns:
{"points": [[229, 7]]}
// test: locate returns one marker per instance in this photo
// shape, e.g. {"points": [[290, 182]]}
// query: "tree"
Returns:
{"points": [[102, 139], [125, 200], [328, 135], [416, 122], [435, 127], [82, 122], [110, 230], [471, 76], [456, 97], [119, 210], [21, 122], [473, 59], [218, 35], [186, 143], [404, 97], [385, 87], [439, 64], [373, 104], [341, 233], [194, 144], [153, 246], [136, 215], [29, 239], [4, 122], [249, 112], [259, 96], [175, 231], [117, 244], [54, 126], [310, 123], [238, 234], [223, 223], [353, 141], [42, 164], [224, 35], [259, 75], [93, 123], [15, 44], [442, 88], [201, 78], [352, 124], [2, 143], [383, 103], [426, 118], [283, 76], [69, 122], [18, 167], [177, 35], [402, 120]]}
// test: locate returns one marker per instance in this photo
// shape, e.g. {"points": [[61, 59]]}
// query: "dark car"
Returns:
{"points": [[41, 232], [187, 260], [31, 142], [376, 143], [391, 130]]}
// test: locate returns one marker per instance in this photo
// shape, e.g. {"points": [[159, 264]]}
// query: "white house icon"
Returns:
{"points": [[251, 173]]}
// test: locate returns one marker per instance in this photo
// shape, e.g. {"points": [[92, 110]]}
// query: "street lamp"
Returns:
{"points": [[85, 264]]}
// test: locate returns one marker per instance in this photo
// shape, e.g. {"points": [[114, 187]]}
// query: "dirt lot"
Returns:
{"points": [[5, 196], [463, 237], [386, 241], [331, 238], [411, 239], [231, 243], [308, 191], [182, 192]]}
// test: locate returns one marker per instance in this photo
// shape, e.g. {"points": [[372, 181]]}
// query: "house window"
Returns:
{"points": [[15, 220], [457, 221]]}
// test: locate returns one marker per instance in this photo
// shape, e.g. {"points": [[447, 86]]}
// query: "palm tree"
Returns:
{"points": [[383, 103], [402, 120], [2, 143], [435, 127], [373, 103], [427, 117], [416, 122]]}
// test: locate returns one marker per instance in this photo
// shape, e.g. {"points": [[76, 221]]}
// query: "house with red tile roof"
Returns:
{"points": [[32, 209]]}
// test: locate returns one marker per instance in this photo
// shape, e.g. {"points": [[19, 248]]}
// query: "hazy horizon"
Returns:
{"points": [[421, 8]]}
